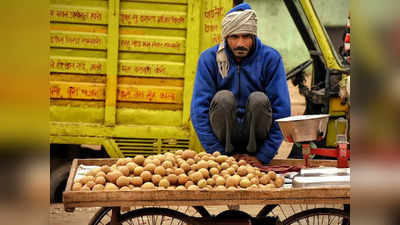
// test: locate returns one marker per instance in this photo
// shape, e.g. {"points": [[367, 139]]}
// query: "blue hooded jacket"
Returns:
{"points": [[261, 71]]}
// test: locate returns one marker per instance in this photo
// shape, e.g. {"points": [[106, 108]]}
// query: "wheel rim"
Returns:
{"points": [[319, 216], [103, 216], [155, 216], [287, 210]]}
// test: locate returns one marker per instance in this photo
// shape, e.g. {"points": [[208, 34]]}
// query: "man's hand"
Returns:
{"points": [[252, 160]]}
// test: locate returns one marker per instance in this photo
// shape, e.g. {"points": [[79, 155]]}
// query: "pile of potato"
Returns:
{"points": [[182, 170]]}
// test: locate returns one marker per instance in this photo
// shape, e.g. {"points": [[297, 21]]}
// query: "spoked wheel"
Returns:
{"points": [[319, 216], [155, 216], [103, 216], [285, 211]]}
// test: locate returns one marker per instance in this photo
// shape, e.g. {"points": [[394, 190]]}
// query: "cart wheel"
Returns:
{"points": [[155, 216], [285, 211], [103, 216], [319, 216]]}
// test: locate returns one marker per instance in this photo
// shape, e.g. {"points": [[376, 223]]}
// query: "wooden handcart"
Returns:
{"points": [[159, 203]]}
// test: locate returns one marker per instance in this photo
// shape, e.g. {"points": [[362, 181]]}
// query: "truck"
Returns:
{"points": [[122, 74]]}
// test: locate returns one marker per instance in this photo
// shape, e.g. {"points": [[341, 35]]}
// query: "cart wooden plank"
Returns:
{"points": [[327, 195]]}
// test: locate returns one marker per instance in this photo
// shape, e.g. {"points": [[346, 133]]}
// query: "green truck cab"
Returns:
{"points": [[122, 74]]}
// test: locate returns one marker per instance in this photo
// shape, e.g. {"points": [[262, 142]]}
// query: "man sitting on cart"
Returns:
{"points": [[239, 91]]}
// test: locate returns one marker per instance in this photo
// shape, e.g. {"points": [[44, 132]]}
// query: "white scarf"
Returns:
{"points": [[238, 22]]}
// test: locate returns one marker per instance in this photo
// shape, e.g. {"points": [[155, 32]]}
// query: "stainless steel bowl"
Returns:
{"points": [[303, 128]]}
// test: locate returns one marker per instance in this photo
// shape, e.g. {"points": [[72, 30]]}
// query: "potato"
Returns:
{"points": [[265, 179], [100, 174], [124, 170], [139, 160], [167, 164], [269, 186], [77, 186], [159, 170], [182, 179], [93, 172], [216, 154], [203, 164], [156, 179], [90, 184], [150, 167], [214, 171], [224, 165], [190, 161], [113, 176], [185, 166], [84, 180], [279, 181], [204, 172], [98, 187], [245, 183], [125, 188], [180, 187], [169, 171], [131, 166], [242, 171], [222, 158], [164, 183], [230, 181], [231, 171], [220, 187], [148, 185], [196, 176], [272, 175], [242, 162], [202, 183], [188, 184], [111, 187], [146, 176], [156, 162], [212, 164], [123, 181], [179, 152], [85, 188], [123, 161], [193, 187], [219, 181], [136, 181], [187, 154], [106, 169], [179, 171], [250, 176], [172, 178], [211, 181], [254, 180], [138, 170]]}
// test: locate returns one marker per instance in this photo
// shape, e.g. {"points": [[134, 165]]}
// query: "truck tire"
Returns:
{"points": [[58, 179]]}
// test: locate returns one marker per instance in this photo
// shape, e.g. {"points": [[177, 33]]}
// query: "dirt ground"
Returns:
{"points": [[81, 216]]}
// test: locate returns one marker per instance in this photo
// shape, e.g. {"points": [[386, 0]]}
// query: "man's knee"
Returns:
{"points": [[258, 99], [224, 98]]}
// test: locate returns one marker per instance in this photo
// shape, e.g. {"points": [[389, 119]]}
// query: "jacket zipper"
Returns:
{"points": [[239, 81]]}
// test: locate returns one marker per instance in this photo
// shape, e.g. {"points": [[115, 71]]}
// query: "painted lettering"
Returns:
{"points": [[210, 27], [214, 12], [55, 91]]}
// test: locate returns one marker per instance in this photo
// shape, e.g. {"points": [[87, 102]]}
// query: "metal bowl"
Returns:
{"points": [[303, 128]]}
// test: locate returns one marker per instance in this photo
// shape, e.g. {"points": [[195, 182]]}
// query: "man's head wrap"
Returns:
{"points": [[239, 20]]}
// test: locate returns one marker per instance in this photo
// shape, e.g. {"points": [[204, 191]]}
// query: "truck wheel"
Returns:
{"points": [[58, 180]]}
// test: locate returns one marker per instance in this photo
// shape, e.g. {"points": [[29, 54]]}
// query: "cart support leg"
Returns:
{"points": [[116, 216]]}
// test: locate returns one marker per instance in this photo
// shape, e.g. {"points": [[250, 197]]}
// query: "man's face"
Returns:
{"points": [[240, 44]]}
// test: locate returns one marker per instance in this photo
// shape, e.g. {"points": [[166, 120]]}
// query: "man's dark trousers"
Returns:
{"points": [[240, 137]]}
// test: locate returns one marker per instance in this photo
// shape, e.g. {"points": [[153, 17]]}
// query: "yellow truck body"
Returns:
{"points": [[122, 72]]}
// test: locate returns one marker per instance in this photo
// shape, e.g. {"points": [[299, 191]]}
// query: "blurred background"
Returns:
{"points": [[375, 109]]}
